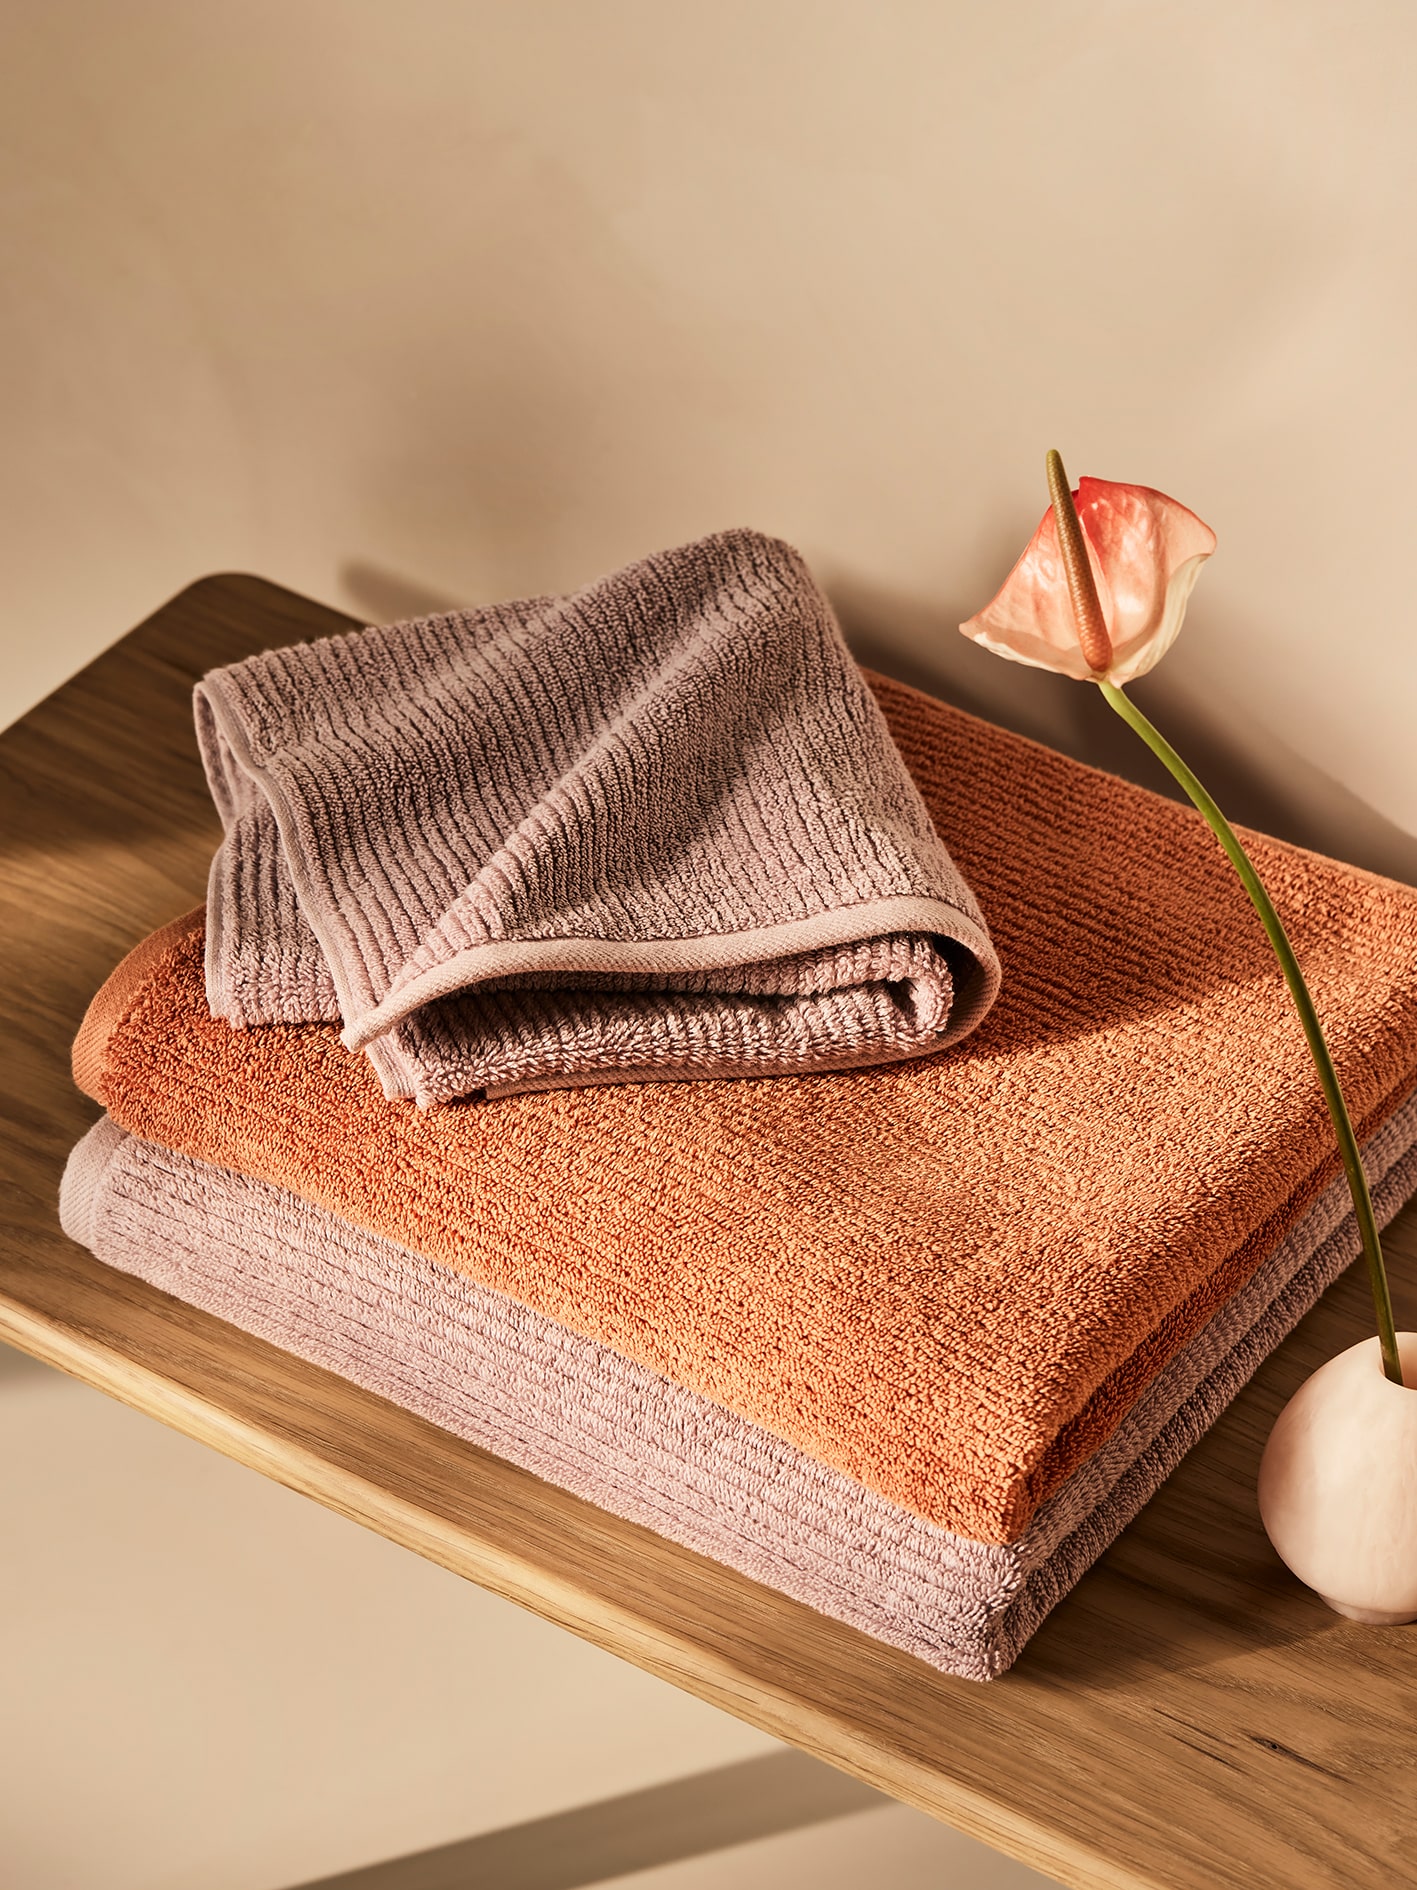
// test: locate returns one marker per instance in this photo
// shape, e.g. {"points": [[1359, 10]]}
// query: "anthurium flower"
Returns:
{"points": [[1145, 552], [1099, 594]]}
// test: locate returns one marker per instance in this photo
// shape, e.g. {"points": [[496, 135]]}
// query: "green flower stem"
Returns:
{"points": [[1303, 1003]]}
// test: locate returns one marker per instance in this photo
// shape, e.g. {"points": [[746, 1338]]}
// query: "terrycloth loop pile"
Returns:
{"points": [[493, 1371], [654, 830], [910, 1343]]}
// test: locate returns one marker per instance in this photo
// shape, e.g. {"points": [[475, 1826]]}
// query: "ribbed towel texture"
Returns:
{"points": [[489, 1369], [656, 830], [950, 1280]]}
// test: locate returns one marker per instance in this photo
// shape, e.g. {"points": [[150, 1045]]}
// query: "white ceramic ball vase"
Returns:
{"points": [[1338, 1484]]}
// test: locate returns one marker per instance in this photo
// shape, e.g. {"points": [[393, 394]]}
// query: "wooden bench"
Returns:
{"points": [[1189, 1718]]}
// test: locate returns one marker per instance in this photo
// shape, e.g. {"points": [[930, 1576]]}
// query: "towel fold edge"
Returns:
{"points": [[83, 1178], [842, 925], [123, 986]]}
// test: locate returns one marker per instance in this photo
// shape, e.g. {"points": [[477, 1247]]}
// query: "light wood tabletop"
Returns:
{"points": [[1189, 1718]]}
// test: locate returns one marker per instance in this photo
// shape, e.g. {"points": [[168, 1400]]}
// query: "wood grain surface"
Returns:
{"points": [[1189, 1718]]}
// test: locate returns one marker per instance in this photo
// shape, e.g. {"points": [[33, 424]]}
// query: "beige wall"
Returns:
{"points": [[450, 299]]}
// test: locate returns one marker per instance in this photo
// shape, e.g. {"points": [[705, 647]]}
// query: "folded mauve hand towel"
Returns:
{"points": [[428, 1338], [654, 830], [951, 1278]]}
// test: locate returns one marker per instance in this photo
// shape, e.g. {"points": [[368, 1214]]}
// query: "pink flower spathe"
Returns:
{"points": [[1146, 552]]}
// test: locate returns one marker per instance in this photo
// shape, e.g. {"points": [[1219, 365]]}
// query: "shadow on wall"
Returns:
{"points": [[691, 1817], [18, 1368], [379, 596], [1268, 787]]}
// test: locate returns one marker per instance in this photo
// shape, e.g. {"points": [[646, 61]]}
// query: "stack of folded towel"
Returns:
{"points": [[590, 1043]]}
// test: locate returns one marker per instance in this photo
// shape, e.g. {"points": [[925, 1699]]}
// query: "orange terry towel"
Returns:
{"points": [[949, 1279]]}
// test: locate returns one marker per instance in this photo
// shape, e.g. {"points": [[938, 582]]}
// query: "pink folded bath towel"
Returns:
{"points": [[655, 830], [583, 1416]]}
